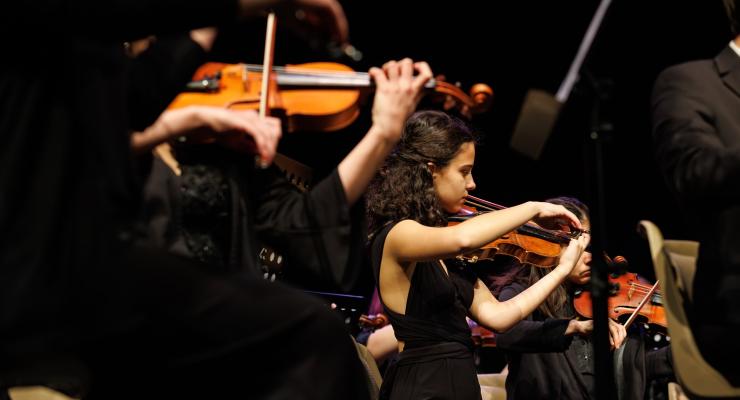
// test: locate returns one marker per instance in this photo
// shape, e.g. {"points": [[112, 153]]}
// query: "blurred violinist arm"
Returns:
{"points": [[318, 232], [397, 94]]}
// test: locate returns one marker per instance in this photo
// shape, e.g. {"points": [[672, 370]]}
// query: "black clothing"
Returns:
{"points": [[544, 363], [149, 324], [158, 74], [441, 371], [220, 205], [437, 360], [696, 127]]}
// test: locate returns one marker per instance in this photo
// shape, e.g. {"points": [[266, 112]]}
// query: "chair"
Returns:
{"points": [[493, 386], [675, 263], [374, 378]]}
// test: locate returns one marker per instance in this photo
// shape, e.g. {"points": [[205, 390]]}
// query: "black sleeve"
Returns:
{"points": [[529, 336], [159, 74], [321, 236], [696, 163]]}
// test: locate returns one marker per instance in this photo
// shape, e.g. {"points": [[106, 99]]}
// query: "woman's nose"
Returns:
{"points": [[471, 184]]}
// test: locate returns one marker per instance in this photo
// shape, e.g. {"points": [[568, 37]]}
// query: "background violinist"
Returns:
{"points": [[549, 352]]}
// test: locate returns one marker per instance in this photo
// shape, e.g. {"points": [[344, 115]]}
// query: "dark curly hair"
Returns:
{"points": [[403, 188], [554, 305]]}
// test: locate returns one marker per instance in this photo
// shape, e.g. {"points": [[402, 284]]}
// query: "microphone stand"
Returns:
{"points": [[599, 133]]}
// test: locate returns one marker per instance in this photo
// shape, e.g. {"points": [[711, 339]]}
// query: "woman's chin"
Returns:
{"points": [[453, 210]]}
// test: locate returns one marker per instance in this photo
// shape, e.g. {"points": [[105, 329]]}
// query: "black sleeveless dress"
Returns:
{"points": [[437, 361]]}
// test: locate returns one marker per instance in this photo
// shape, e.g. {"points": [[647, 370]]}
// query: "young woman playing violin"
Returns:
{"points": [[549, 352], [425, 179]]}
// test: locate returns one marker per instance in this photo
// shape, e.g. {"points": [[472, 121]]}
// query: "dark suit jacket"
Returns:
{"points": [[696, 126]]}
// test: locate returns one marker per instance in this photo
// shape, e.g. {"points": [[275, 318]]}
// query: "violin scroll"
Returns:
{"points": [[476, 101], [375, 321]]}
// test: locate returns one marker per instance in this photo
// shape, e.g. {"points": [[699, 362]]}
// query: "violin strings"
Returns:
{"points": [[646, 291], [489, 206], [477, 205], [638, 289], [311, 73], [642, 290], [484, 204], [641, 286]]}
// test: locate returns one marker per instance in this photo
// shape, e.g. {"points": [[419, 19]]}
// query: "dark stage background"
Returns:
{"points": [[514, 46]]}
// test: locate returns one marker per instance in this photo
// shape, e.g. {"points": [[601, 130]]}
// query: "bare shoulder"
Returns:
{"points": [[403, 231], [412, 241]]}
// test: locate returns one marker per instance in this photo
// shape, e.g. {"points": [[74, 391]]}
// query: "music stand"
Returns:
{"points": [[540, 109]]}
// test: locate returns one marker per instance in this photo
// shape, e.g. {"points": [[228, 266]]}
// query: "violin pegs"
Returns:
{"points": [[608, 259], [482, 95]]}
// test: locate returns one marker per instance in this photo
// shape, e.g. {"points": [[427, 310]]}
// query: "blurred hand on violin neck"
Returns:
{"points": [[397, 93]]}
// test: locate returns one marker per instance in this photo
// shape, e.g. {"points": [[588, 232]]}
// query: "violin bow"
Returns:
{"points": [[267, 65], [639, 306]]}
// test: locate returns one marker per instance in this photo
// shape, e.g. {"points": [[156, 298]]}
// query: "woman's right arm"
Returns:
{"points": [[410, 241]]}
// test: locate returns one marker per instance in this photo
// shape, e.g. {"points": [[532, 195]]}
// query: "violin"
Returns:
{"points": [[529, 244], [481, 336], [373, 321], [627, 292], [318, 96]]}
